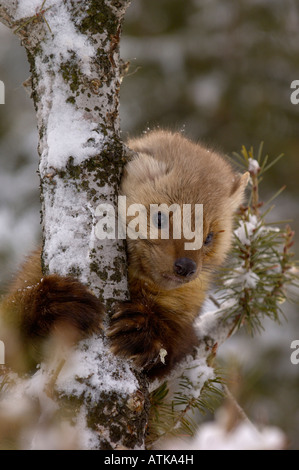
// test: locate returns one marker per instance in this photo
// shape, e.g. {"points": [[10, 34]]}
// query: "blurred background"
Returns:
{"points": [[221, 72]]}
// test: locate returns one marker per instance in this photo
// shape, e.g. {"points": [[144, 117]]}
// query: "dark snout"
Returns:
{"points": [[184, 267]]}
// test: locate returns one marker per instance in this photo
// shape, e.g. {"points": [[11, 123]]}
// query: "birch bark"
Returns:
{"points": [[72, 48]]}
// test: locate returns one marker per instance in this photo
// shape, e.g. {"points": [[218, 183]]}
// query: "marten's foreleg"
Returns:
{"points": [[32, 313], [153, 337]]}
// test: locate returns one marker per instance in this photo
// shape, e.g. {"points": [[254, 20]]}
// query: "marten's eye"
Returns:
{"points": [[209, 238], [160, 220]]}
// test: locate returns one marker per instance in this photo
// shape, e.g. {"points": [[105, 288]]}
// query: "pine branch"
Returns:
{"points": [[261, 266]]}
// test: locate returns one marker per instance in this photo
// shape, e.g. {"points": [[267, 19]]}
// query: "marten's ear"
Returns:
{"points": [[238, 188], [145, 168]]}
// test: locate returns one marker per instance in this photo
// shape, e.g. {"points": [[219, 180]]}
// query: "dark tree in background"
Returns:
{"points": [[221, 71]]}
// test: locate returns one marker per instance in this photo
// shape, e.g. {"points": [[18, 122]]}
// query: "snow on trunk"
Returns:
{"points": [[72, 48]]}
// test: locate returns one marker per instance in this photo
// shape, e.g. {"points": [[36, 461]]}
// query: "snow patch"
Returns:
{"points": [[30, 398], [198, 372], [214, 436], [66, 246], [85, 364], [69, 133], [244, 277], [65, 436], [28, 8], [250, 279], [246, 230], [253, 166], [64, 36]]}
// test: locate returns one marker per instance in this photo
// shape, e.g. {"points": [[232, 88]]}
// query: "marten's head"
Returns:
{"points": [[169, 178]]}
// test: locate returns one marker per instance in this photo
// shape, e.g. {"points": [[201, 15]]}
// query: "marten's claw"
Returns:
{"points": [[132, 336]]}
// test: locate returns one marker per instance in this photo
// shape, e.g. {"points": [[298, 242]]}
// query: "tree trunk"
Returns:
{"points": [[72, 48]]}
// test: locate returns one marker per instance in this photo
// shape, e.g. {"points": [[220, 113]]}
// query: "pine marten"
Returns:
{"points": [[167, 282]]}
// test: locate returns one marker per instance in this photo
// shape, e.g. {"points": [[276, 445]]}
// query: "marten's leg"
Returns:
{"points": [[155, 338], [37, 308]]}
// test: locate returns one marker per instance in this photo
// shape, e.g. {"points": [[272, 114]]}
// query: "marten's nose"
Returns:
{"points": [[184, 267]]}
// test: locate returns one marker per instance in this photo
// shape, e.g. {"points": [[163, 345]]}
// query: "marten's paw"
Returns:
{"points": [[61, 303], [44, 320], [133, 334]]}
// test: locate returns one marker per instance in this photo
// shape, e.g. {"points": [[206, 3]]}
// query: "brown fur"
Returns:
{"points": [[38, 308], [168, 169], [171, 169]]}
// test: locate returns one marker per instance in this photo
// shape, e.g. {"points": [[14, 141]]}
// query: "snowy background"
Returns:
{"points": [[221, 71]]}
